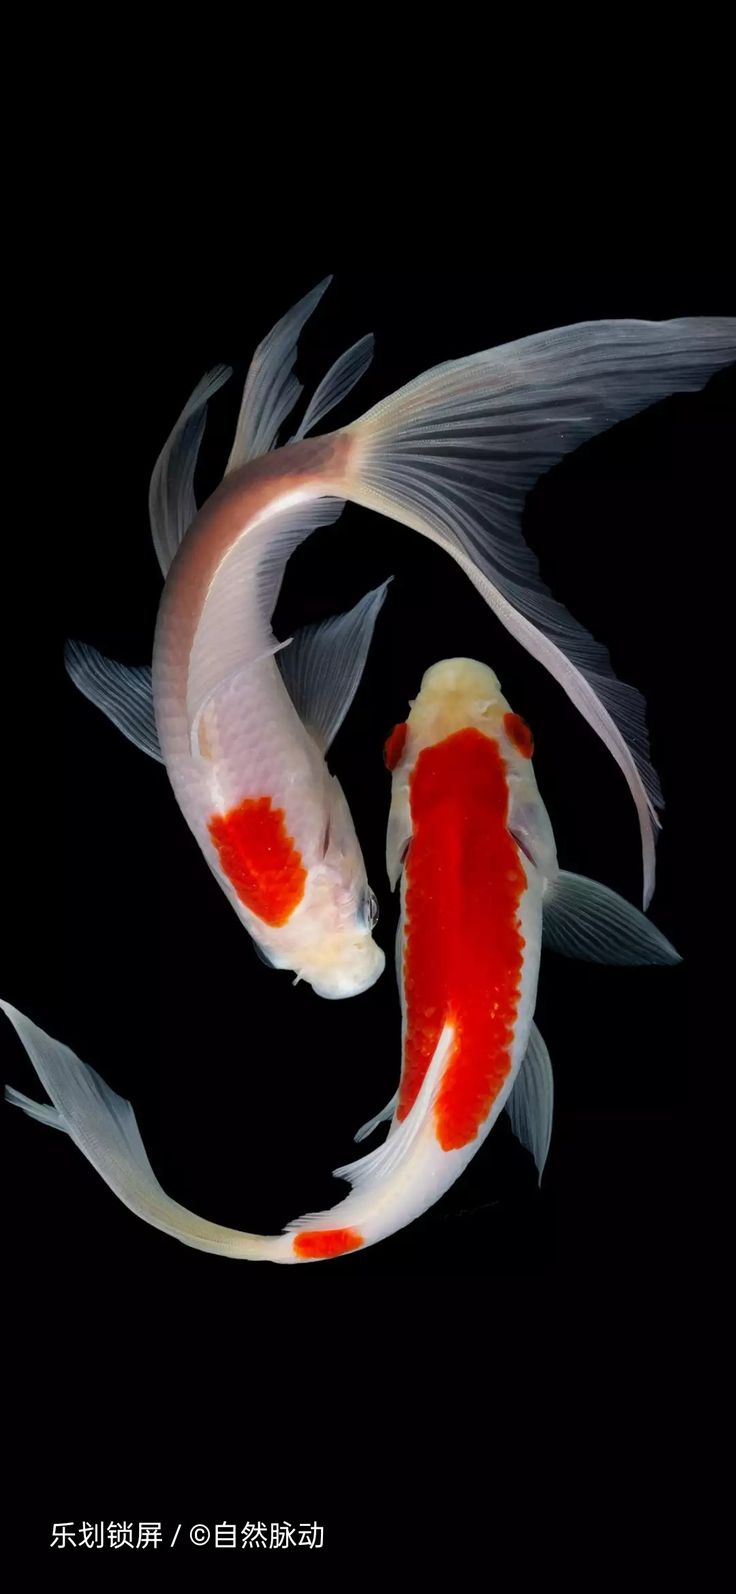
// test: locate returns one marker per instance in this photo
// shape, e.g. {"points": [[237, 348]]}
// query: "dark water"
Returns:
{"points": [[247, 1092]]}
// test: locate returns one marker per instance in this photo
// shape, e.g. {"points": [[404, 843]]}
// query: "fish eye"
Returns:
{"points": [[369, 909]]}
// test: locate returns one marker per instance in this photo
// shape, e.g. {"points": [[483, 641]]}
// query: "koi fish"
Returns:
{"points": [[243, 734], [243, 721], [470, 838]]}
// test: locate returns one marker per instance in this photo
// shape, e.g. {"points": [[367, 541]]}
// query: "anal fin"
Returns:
{"points": [[380, 1118]]}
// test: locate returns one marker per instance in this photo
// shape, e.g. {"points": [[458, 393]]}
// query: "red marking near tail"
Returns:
{"points": [[519, 733], [260, 859], [394, 746], [462, 945], [327, 1242]]}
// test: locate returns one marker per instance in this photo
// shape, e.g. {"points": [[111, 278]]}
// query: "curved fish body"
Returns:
{"points": [[470, 839], [241, 721], [249, 774], [452, 455], [471, 842]]}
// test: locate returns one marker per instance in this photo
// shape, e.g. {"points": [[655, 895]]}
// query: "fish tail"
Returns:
{"points": [[103, 1126], [455, 452], [389, 1186]]}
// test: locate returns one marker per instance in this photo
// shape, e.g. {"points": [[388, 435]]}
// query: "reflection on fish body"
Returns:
{"points": [[470, 839]]}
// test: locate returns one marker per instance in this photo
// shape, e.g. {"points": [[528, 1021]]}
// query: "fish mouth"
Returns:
{"points": [[336, 987]]}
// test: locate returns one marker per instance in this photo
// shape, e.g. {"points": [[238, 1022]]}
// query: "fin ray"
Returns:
{"points": [[455, 452], [375, 1169], [531, 1102], [322, 669], [171, 502], [335, 386], [123, 692], [379, 1118], [103, 1126], [583, 919], [271, 389]]}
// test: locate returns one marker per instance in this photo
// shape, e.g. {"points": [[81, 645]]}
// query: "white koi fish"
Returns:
{"points": [[243, 733], [244, 737], [480, 881]]}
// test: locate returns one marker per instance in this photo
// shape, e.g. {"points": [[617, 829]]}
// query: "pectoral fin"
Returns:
{"points": [[323, 667], [583, 919], [122, 691]]}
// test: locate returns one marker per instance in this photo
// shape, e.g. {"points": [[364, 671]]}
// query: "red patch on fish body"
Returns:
{"points": [[463, 949], [394, 746], [519, 734], [259, 858], [314, 1243]]}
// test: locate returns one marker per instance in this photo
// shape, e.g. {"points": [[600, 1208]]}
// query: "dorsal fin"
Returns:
{"points": [[335, 386], [171, 502], [271, 389]]}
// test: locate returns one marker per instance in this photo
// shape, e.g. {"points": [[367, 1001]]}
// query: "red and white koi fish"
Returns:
{"points": [[480, 874], [244, 737], [242, 732]]}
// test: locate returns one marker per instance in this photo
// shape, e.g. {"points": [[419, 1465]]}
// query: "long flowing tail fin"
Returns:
{"points": [[102, 1124], [454, 453]]}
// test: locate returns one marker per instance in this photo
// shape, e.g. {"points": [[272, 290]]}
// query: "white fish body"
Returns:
{"points": [[243, 735], [249, 774]]}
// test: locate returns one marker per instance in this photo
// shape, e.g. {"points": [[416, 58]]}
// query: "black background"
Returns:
{"points": [[247, 1091]]}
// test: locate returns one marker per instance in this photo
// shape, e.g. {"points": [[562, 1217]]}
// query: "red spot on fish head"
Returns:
{"points": [[394, 746], [519, 734], [314, 1244]]}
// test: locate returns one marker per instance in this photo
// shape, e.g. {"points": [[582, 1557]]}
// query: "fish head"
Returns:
{"points": [[456, 695], [337, 955]]}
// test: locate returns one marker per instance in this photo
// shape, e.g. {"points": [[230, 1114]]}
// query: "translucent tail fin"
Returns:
{"points": [[102, 1124], [455, 452]]}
